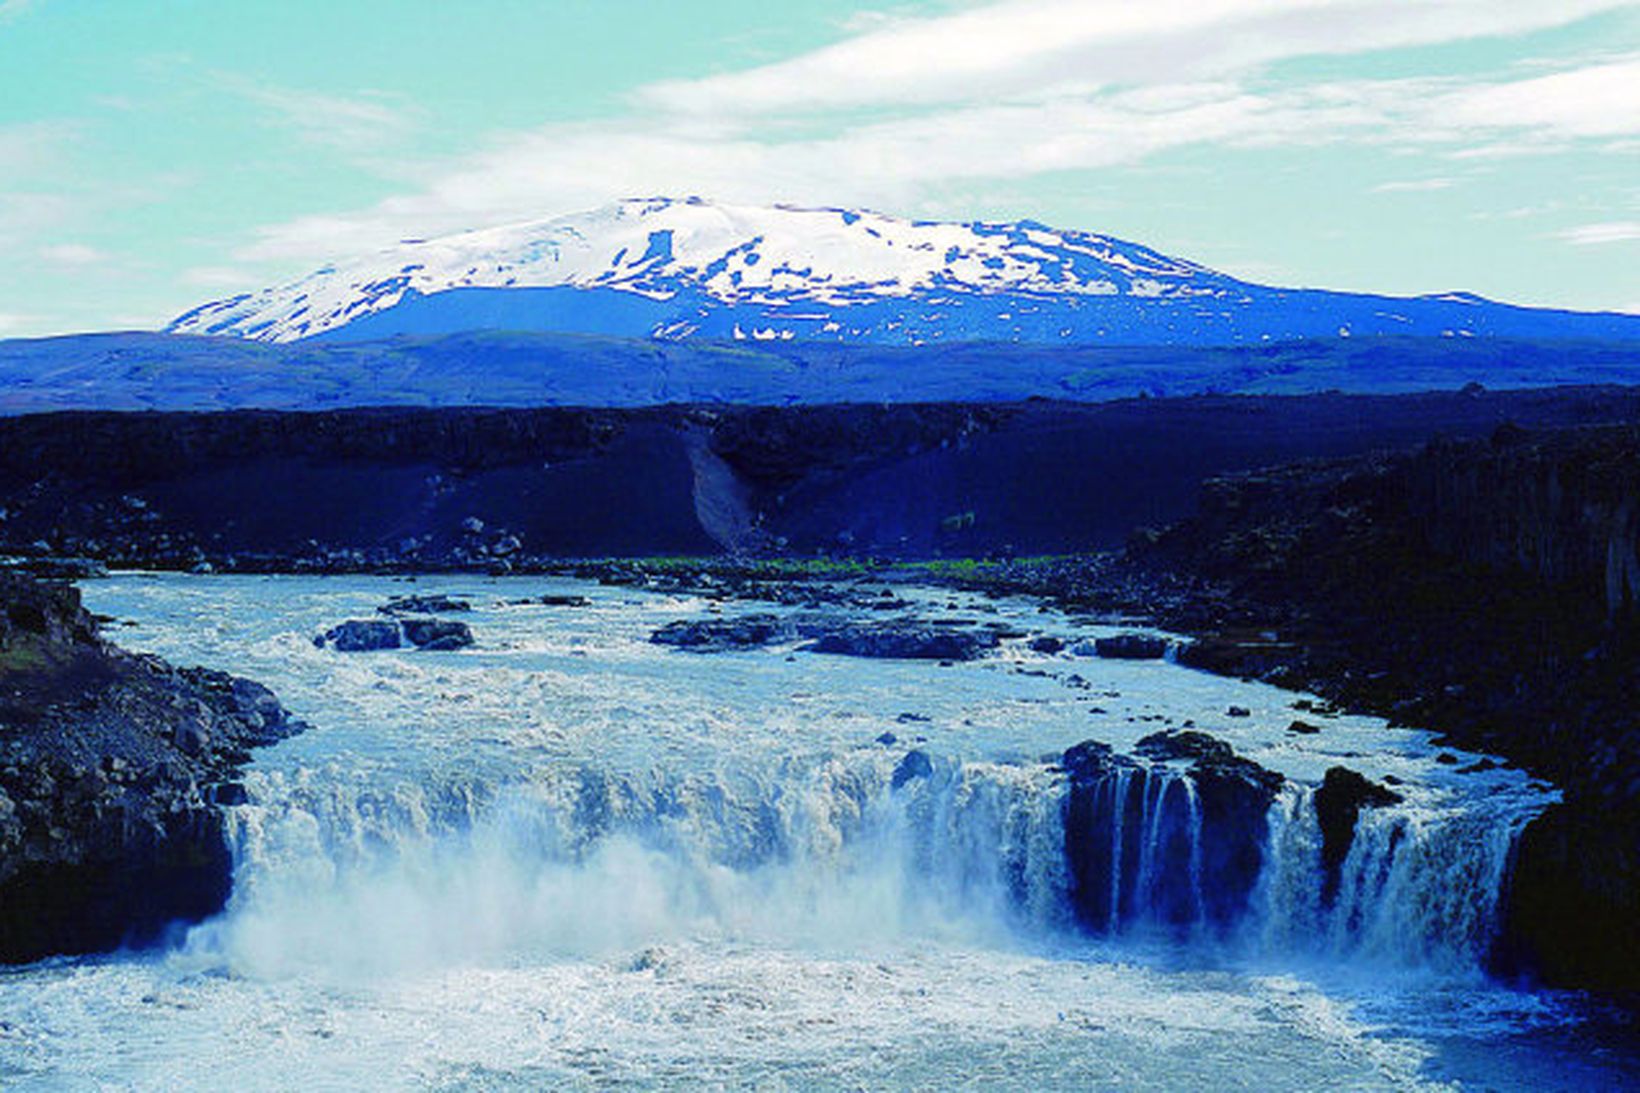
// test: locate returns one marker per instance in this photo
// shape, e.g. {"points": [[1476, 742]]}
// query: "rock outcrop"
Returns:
{"points": [[1131, 647], [1338, 803], [375, 635], [1485, 588], [1123, 814], [114, 769], [905, 641]]}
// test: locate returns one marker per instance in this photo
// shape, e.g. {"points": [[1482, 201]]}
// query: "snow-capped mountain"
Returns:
{"points": [[672, 269]]}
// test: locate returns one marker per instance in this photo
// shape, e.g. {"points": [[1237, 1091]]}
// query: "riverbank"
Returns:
{"points": [[114, 770]]}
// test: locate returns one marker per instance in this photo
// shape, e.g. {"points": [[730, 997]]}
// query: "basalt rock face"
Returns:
{"points": [[1338, 804], [1484, 587], [490, 489], [1124, 816], [113, 772]]}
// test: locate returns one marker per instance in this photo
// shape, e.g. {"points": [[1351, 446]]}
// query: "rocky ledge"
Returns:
{"points": [[1489, 589], [115, 770]]}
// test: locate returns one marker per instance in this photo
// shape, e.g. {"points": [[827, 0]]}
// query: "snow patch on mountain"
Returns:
{"points": [[663, 249], [670, 269]]}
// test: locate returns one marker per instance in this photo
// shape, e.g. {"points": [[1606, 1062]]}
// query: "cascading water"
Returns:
{"points": [[569, 856], [799, 850]]}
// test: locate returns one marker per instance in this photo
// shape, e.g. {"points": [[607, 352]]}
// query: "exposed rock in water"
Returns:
{"points": [[558, 600], [1338, 804], [905, 641], [1183, 744], [362, 636], [916, 764], [374, 635], [437, 635], [1131, 647], [1123, 816], [1047, 644], [716, 635], [424, 605], [113, 771]]}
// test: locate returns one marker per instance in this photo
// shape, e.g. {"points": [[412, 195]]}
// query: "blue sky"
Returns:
{"points": [[157, 153]]}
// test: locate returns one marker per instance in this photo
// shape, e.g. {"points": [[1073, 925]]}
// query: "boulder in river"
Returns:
{"points": [[437, 635], [424, 605], [905, 641], [372, 635], [717, 635], [914, 765], [361, 636], [1131, 647]]}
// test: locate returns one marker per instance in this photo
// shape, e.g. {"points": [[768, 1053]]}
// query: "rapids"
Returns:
{"points": [[570, 857]]}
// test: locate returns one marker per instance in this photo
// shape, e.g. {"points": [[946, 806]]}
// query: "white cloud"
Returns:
{"points": [[1601, 100], [363, 121], [1413, 186], [1001, 91], [892, 163], [1032, 48], [1592, 235], [33, 147], [73, 254]]}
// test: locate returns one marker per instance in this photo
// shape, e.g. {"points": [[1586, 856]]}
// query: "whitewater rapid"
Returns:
{"points": [[571, 857]]}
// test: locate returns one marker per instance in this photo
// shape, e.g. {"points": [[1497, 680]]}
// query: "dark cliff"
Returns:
{"points": [[1483, 587], [497, 488]]}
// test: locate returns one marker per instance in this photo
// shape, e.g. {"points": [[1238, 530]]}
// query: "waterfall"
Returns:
{"points": [[832, 848], [1419, 888], [581, 860]]}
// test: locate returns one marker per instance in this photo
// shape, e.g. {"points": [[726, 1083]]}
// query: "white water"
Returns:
{"points": [[571, 857]]}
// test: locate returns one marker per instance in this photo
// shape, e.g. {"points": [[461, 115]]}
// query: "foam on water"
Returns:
{"points": [[571, 857]]}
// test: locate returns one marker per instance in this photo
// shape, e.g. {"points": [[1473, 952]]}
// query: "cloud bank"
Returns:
{"points": [[1014, 89]]}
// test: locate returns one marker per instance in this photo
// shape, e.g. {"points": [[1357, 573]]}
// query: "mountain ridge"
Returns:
{"points": [[692, 269]]}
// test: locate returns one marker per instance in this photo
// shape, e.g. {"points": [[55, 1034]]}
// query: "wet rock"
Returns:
{"points": [[1219, 806], [1091, 760], [361, 636], [1047, 644], [113, 770], [193, 736], [888, 739], [437, 635], [1183, 744], [230, 794], [1338, 804], [905, 641], [1238, 711], [915, 764], [715, 635], [424, 605], [1131, 647], [1303, 728]]}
